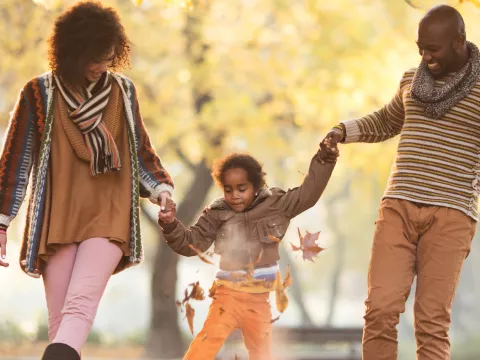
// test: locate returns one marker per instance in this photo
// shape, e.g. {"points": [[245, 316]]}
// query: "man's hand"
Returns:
{"points": [[328, 152], [168, 215], [162, 199], [3, 249]]}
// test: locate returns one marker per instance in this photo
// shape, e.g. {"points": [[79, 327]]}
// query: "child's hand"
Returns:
{"points": [[168, 215]]}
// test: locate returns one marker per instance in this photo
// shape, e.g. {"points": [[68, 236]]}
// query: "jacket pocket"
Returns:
{"points": [[274, 229]]}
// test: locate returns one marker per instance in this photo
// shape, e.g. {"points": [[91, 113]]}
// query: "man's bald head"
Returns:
{"points": [[442, 41], [446, 18]]}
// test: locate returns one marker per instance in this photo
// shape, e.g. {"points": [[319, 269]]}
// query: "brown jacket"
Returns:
{"points": [[239, 237]]}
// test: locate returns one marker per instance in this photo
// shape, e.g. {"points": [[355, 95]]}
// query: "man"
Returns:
{"points": [[428, 215]]}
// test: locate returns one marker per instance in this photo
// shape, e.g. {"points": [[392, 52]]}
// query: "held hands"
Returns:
{"points": [[3, 248], [328, 152], [169, 213]]}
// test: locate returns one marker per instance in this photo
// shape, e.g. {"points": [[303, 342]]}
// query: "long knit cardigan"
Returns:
{"points": [[26, 154]]}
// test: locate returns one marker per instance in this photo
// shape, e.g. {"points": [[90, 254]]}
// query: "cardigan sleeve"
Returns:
{"points": [[153, 177], [16, 159]]}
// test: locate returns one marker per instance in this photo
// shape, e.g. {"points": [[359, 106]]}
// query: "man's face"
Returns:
{"points": [[94, 70], [439, 49]]}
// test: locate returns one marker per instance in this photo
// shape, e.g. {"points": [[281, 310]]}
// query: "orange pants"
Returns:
{"points": [[430, 242], [231, 310]]}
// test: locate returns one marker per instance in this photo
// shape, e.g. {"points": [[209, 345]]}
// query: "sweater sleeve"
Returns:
{"points": [[16, 159], [153, 177], [295, 201], [201, 235], [382, 124]]}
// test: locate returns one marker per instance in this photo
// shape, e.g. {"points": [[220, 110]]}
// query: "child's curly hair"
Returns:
{"points": [[254, 169], [84, 34]]}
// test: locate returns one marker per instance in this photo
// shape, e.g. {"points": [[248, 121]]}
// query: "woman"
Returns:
{"points": [[77, 132]]}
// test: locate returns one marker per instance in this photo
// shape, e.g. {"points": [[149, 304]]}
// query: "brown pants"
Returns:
{"points": [[411, 239], [231, 310]]}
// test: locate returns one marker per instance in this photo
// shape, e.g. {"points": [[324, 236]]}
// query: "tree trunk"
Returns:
{"points": [[165, 340], [340, 249], [296, 290]]}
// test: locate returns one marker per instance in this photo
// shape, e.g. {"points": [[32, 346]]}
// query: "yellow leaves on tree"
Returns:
{"points": [[308, 245], [201, 255]]}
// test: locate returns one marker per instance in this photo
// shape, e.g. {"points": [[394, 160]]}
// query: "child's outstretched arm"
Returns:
{"points": [[299, 199], [201, 235]]}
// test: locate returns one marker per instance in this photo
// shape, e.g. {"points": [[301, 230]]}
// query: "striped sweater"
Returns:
{"points": [[25, 156], [437, 161]]}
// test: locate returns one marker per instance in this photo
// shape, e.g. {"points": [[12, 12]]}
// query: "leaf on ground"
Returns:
{"points": [[190, 311], [308, 245], [201, 255], [287, 281]]}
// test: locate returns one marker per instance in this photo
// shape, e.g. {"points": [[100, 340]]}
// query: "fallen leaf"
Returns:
{"points": [[190, 311], [204, 337], [201, 255], [276, 319], [308, 245], [222, 310], [287, 281]]}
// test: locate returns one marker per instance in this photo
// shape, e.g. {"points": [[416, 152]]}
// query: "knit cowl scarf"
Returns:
{"points": [[436, 101]]}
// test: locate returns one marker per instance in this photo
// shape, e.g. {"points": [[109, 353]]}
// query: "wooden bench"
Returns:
{"points": [[305, 343]]}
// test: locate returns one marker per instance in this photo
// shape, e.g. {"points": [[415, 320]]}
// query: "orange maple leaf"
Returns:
{"points": [[308, 245]]}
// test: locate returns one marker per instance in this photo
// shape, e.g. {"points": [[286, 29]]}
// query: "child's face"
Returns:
{"points": [[238, 191]]}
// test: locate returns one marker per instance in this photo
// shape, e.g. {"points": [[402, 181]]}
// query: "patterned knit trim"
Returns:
{"points": [[38, 195], [136, 248], [159, 189]]}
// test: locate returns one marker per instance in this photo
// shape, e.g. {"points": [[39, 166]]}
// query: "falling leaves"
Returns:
{"points": [[196, 293], [308, 245], [280, 295], [201, 255], [190, 313], [274, 238], [287, 281], [212, 290], [274, 320]]}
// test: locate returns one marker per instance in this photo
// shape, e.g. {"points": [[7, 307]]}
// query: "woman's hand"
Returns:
{"points": [[3, 249]]}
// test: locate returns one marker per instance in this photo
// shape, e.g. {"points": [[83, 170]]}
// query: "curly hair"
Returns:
{"points": [[254, 169], [83, 34]]}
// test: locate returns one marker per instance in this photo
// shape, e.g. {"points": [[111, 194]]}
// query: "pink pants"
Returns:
{"points": [[75, 279]]}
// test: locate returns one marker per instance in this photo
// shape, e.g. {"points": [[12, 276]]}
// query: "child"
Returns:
{"points": [[245, 226]]}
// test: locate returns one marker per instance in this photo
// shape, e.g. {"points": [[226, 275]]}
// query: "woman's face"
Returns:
{"points": [[95, 69]]}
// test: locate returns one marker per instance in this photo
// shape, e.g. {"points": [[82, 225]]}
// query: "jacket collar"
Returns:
{"points": [[221, 204]]}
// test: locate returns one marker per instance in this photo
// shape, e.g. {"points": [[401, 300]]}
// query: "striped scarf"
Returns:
{"points": [[86, 110]]}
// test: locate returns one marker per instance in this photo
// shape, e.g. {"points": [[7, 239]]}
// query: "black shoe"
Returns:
{"points": [[59, 351]]}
